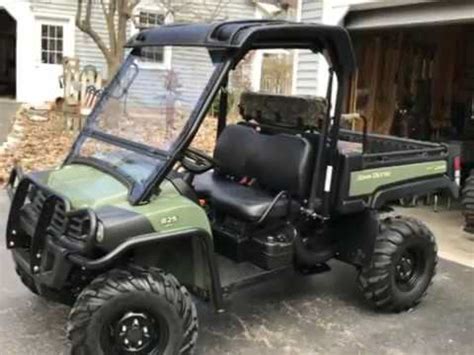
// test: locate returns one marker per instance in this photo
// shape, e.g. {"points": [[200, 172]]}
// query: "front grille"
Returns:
{"points": [[78, 227], [58, 221], [37, 198], [75, 226]]}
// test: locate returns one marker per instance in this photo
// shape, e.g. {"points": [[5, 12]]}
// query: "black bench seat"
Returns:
{"points": [[278, 166]]}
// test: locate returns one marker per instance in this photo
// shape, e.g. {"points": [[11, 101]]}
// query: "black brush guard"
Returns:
{"points": [[40, 229]]}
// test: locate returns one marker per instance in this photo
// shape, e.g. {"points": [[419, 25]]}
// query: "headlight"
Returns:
{"points": [[100, 232]]}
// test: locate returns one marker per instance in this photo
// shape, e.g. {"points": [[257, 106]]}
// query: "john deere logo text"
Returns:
{"points": [[374, 175]]}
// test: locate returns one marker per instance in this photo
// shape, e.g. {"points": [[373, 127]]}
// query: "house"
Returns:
{"points": [[35, 36]]}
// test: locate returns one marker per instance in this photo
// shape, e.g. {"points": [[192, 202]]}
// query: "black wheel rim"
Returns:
{"points": [[409, 268], [135, 332]]}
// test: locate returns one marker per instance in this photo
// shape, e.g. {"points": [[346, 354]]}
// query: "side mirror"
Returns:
{"points": [[124, 82]]}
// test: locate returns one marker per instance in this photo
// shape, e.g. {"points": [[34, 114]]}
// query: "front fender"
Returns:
{"points": [[148, 241]]}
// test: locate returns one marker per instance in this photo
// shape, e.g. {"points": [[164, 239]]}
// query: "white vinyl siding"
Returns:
{"points": [[307, 63]]}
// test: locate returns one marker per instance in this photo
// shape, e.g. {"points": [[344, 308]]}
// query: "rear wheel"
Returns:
{"points": [[468, 203], [402, 266], [133, 311]]}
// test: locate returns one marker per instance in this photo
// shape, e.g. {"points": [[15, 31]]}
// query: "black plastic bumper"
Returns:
{"points": [[56, 276]]}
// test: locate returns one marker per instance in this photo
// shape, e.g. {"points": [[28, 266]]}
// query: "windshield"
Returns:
{"points": [[148, 103]]}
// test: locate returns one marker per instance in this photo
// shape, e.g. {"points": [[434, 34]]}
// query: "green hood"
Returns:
{"points": [[85, 186]]}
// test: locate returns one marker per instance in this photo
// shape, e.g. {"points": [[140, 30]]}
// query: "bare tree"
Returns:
{"points": [[119, 13]]}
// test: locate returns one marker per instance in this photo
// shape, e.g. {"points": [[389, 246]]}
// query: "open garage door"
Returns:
{"points": [[417, 82]]}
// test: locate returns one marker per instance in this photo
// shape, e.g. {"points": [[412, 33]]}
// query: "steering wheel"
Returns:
{"points": [[196, 162]]}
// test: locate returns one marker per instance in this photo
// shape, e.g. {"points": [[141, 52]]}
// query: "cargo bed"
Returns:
{"points": [[378, 169]]}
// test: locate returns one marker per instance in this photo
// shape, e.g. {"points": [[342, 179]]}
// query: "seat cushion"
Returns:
{"points": [[246, 202]]}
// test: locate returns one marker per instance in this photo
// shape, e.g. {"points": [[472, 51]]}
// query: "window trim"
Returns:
{"points": [[167, 52], [49, 51], [69, 40]]}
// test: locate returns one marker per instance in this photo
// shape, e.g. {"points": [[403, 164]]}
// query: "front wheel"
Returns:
{"points": [[402, 266], [133, 311], [26, 280]]}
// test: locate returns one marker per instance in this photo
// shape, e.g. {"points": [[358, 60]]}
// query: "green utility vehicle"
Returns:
{"points": [[135, 220]]}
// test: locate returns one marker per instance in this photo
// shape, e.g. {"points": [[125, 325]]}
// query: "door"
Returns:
{"points": [[54, 41]]}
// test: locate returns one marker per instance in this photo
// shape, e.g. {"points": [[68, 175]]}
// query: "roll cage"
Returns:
{"points": [[227, 43]]}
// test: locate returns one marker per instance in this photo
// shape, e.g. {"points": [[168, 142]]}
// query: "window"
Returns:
{"points": [[52, 41], [151, 19], [148, 20]]}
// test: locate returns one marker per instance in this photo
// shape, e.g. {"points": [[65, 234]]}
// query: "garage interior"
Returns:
{"points": [[417, 82], [7, 55]]}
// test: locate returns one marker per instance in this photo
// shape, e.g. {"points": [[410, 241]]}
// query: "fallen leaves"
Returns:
{"points": [[36, 145]]}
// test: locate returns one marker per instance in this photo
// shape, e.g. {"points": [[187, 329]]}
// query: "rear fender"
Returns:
{"points": [[420, 187]]}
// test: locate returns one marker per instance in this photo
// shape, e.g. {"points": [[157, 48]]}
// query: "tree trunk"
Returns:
{"points": [[113, 64], [117, 14]]}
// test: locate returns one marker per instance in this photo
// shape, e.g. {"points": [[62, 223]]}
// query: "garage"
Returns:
{"points": [[415, 78]]}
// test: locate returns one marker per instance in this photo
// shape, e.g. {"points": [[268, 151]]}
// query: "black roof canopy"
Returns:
{"points": [[245, 35]]}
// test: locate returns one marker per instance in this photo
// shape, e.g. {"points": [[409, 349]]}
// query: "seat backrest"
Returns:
{"points": [[279, 162], [282, 162], [233, 149]]}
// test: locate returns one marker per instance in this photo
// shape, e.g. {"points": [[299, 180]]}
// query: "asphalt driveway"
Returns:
{"points": [[292, 315]]}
